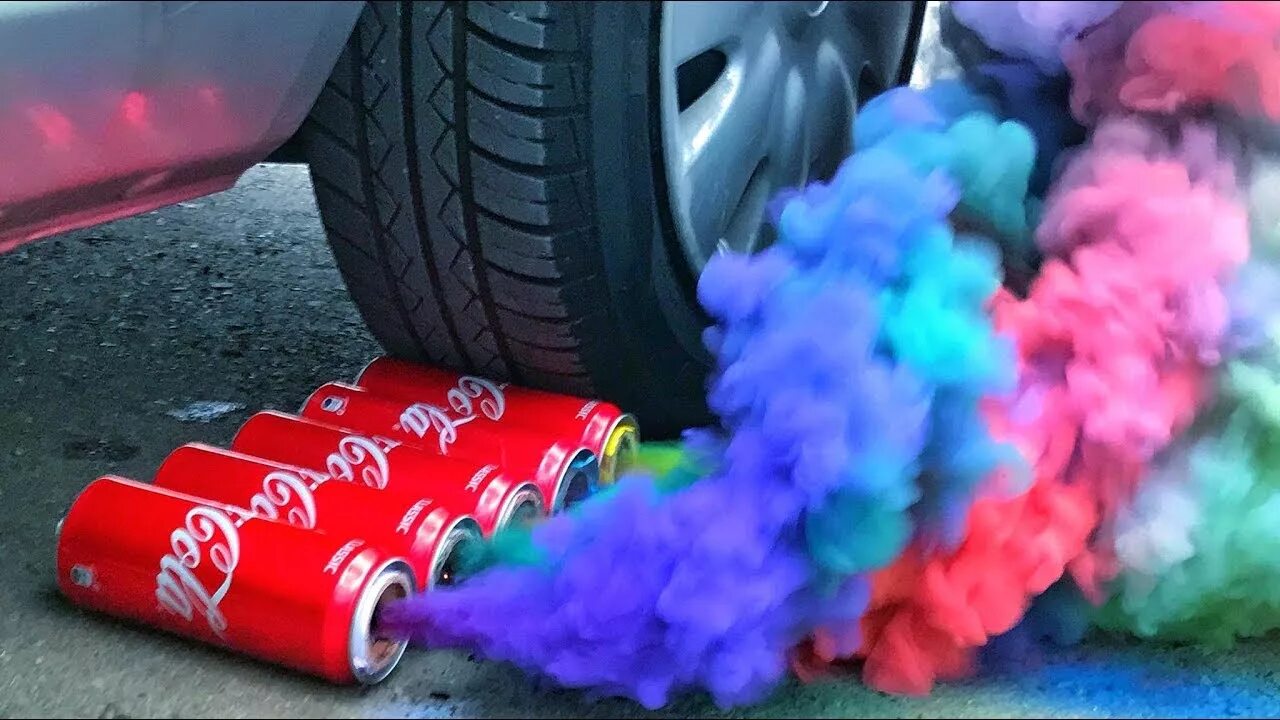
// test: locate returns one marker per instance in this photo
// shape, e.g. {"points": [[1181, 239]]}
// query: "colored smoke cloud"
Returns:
{"points": [[1013, 370], [844, 369]]}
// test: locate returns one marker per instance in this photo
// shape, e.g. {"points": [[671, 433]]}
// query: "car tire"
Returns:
{"points": [[490, 179]]}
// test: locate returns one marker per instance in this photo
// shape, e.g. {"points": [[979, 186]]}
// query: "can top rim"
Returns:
{"points": [[581, 463], [525, 492], [374, 361], [463, 529], [620, 443], [367, 665]]}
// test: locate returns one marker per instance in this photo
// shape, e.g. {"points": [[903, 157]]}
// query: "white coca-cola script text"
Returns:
{"points": [[362, 459], [421, 418], [177, 587], [292, 492]]}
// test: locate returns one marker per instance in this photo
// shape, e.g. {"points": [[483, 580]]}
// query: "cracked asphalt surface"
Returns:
{"points": [[110, 334]]}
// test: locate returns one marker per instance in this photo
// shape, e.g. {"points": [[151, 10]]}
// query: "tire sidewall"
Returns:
{"points": [[652, 290]]}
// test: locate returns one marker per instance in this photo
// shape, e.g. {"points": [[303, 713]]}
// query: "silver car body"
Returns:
{"points": [[109, 109]]}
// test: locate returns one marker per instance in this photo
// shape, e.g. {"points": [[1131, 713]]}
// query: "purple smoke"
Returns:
{"points": [[645, 591]]}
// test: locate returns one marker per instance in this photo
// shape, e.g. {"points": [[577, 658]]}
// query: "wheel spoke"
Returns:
{"points": [[773, 111], [705, 25], [829, 108], [723, 138], [792, 139]]}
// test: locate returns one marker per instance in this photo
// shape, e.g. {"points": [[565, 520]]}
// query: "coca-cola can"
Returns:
{"points": [[218, 574], [564, 470], [494, 497], [602, 427], [429, 535]]}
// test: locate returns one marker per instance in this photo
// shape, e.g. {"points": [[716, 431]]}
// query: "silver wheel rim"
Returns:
{"points": [[778, 114]]}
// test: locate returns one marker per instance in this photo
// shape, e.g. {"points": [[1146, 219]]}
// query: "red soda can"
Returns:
{"points": [[220, 575], [488, 493], [564, 470], [429, 536], [603, 428]]}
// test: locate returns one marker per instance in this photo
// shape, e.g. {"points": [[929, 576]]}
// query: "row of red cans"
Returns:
{"points": [[284, 545]]}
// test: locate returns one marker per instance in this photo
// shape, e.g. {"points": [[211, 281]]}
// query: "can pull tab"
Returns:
{"points": [[333, 404], [82, 576]]}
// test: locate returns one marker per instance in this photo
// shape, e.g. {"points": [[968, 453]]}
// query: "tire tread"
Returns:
{"points": [[458, 204]]}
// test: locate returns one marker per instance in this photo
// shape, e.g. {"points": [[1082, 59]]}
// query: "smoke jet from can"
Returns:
{"points": [[851, 358]]}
